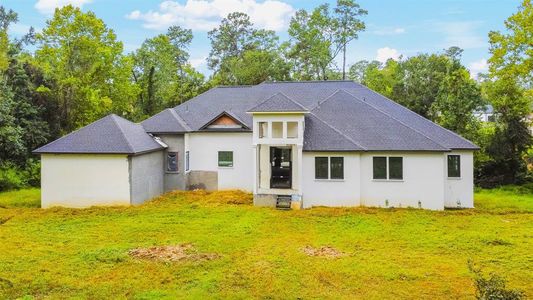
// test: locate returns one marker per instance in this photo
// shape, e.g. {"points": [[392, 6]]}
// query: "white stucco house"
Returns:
{"points": [[317, 143]]}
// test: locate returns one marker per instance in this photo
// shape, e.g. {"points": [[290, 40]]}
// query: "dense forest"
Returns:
{"points": [[75, 71]]}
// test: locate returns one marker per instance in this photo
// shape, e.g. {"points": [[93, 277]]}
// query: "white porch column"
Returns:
{"points": [[300, 169], [255, 168]]}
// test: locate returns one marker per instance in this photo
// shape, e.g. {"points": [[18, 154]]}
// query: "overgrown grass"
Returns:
{"points": [[30, 197], [388, 253]]}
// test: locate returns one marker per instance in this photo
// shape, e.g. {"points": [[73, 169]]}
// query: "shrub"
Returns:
{"points": [[492, 287], [11, 177]]}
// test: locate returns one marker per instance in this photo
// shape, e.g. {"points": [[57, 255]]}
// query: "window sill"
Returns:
{"points": [[222, 167], [329, 180], [454, 178], [171, 172], [388, 180]]}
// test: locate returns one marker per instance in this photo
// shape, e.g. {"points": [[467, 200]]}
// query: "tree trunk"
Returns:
{"points": [[344, 62]]}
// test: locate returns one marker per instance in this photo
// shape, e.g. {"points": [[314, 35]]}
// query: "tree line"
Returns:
{"points": [[76, 70]]}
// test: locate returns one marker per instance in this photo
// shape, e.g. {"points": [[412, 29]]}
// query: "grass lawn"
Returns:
{"points": [[386, 253]]}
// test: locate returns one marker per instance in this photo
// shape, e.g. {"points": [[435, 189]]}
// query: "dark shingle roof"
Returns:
{"points": [[111, 134], [344, 115], [278, 103]]}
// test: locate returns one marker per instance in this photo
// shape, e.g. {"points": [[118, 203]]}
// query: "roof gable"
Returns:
{"points": [[278, 102], [224, 121], [110, 134]]}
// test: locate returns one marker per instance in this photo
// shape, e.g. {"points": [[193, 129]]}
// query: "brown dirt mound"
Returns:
{"points": [[171, 253], [324, 251]]}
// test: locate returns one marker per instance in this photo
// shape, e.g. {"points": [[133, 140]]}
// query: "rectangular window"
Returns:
{"points": [[337, 167], [263, 128], [277, 129], [454, 166], [396, 168], [292, 130], [380, 167], [321, 168], [186, 160], [172, 161], [225, 158]]}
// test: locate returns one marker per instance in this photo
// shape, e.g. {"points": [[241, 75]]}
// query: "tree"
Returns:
{"points": [[84, 61], [318, 37], [241, 54], [162, 72], [510, 92]]}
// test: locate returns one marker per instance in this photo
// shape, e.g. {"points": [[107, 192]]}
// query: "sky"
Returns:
{"points": [[395, 28]]}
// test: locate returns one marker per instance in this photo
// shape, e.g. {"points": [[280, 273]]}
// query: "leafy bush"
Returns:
{"points": [[13, 177], [492, 287]]}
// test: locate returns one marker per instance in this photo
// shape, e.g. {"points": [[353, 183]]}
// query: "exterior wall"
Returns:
{"points": [[422, 181], [83, 180], [174, 180], [323, 192], [459, 192], [146, 176], [203, 150]]}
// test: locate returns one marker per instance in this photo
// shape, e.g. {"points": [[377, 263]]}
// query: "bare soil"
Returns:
{"points": [[324, 251], [171, 253]]}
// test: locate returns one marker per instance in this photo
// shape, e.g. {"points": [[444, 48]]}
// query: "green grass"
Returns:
{"points": [[30, 197], [390, 253]]}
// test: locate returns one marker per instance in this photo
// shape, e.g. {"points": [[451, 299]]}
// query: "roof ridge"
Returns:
{"points": [[122, 131], [392, 117], [338, 131], [292, 100], [272, 96], [180, 120], [412, 112], [305, 81]]}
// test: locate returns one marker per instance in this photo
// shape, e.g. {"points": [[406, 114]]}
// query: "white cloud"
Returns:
{"points": [[383, 54], [206, 14], [476, 67], [389, 31], [197, 62], [462, 34], [48, 6]]}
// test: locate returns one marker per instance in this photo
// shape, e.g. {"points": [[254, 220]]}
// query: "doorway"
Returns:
{"points": [[281, 168]]}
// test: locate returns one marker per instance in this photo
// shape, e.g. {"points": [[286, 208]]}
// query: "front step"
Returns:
{"points": [[283, 202]]}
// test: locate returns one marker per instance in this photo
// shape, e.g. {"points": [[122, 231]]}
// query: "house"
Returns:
{"points": [[316, 143], [486, 114]]}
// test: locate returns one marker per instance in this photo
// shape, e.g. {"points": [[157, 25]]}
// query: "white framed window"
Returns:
{"points": [[387, 167], [225, 158], [187, 166], [454, 166], [327, 167]]}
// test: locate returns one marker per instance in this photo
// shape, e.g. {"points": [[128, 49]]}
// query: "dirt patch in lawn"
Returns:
{"points": [[183, 252], [324, 251]]}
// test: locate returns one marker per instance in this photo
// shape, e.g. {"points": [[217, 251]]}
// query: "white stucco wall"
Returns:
{"points": [[423, 181], [459, 192], [83, 180], [175, 143], [322, 192], [203, 150], [146, 176]]}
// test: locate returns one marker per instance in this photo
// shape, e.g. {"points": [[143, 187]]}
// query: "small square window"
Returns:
{"points": [[172, 162], [277, 129], [380, 167], [337, 167], [225, 158], [292, 130], [321, 168], [396, 168], [454, 166]]}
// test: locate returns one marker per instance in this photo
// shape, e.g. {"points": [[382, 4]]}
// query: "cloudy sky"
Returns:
{"points": [[394, 27]]}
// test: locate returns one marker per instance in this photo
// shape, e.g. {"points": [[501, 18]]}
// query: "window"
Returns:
{"points": [[396, 168], [337, 167], [390, 168], [292, 130], [225, 158], [454, 166], [186, 160], [380, 167], [263, 128], [277, 129], [172, 162], [329, 167], [321, 168]]}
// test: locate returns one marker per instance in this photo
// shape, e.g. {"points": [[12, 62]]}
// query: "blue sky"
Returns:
{"points": [[394, 27]]}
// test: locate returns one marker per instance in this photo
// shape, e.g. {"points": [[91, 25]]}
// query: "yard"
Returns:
{"points": [[235, 250]]}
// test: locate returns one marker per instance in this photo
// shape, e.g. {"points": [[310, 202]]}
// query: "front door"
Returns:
{"points": [[281, 168]]}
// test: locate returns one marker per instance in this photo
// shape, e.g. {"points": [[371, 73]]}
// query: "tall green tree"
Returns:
{"points": [[510, 91], [242, 54], [162, 71], [90, 74], [317, 38]]}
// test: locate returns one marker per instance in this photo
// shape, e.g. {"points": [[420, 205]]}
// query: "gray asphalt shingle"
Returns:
{"points": [[111, 134]]}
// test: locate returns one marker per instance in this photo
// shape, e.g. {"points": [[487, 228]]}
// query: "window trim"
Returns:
{"points": [[329, 169], [387, 169], [448, 166], [187, 161], [232, 159], [167, 161]]}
